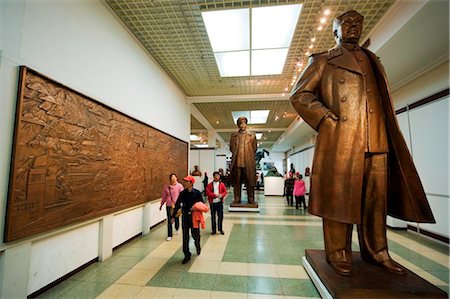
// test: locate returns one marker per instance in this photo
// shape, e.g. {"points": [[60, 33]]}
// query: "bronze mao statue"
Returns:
{"points": [[196, 171], [362, 169], [243, 147]]}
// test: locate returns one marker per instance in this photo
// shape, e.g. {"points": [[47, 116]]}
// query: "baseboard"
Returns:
{"points": [[429, 234]]}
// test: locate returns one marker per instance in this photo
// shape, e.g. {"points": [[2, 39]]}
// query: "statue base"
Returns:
{"points": [[243, 207], [367, 280]]}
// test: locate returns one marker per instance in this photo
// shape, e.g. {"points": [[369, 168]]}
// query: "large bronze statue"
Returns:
{"points": [[243, 147], [362, 169]]}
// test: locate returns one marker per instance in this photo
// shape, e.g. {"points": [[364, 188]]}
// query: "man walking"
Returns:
{"points": [[216, 192]]}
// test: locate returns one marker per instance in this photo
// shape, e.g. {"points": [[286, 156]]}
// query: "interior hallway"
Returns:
{"points": [[258, 257]]}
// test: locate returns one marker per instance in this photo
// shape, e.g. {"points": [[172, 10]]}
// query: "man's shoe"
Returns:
{"points": [[342, 268], [199, 250], [222, 233], [341, 262], [186, 259], [169, 238], [213, 233], [393, 266]]}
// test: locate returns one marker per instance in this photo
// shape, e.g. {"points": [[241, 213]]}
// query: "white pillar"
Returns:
{"points": [[146, 219], [212, 138], [15, 265], [106, 235]]}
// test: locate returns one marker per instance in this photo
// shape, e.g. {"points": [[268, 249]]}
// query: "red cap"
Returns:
{"points": [[189, 178]]}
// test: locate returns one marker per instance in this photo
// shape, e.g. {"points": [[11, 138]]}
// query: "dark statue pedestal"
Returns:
{"points": [[367, 280], [243, 207]]}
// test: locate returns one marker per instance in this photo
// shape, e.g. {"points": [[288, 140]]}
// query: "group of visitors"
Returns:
{"points": [[295, 187], [188, 203]]}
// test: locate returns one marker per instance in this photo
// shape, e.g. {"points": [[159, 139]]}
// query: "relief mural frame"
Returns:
{"points": [[76, 159]]}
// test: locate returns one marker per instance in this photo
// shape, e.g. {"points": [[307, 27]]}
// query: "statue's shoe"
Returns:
{"points": [[393, 266], [341, 267]]}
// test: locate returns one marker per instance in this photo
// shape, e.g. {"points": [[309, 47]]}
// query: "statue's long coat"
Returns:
{"points": [[334, 81], [250, 152]]}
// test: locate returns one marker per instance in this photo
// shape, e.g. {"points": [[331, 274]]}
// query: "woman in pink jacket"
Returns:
{"points": [[169, 197], [299, 191]]}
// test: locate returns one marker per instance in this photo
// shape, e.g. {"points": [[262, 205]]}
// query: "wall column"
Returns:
{"points": [[15, 265], [106, 235], [146, 219], [212, 136]]}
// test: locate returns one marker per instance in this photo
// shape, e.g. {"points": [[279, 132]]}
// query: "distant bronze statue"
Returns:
{"points": [[196, 171], [362, 169], [243, 147]]}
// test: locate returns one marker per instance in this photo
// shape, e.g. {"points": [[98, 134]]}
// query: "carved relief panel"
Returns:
{"points": [[75, 159]]}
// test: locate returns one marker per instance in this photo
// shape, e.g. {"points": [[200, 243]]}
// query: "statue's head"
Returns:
{"points": [[347, 28], [242, 123]]}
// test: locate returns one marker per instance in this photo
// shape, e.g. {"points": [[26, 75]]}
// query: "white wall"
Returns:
{"points": [[83, 45], [427, 84], [206, 161], [426, 131]]}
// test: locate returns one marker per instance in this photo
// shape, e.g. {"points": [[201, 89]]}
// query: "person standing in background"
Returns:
{"points": [[299, 191], [216, 192]]}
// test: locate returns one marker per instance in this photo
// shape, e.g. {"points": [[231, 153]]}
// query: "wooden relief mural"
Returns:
{"points": [[75, 159]]}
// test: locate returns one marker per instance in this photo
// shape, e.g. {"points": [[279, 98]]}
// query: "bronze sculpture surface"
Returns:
{"points": [[75, 159], [243, 147], [362, 169]]}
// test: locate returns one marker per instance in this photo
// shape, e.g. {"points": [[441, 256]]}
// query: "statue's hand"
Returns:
{"points": [[332, 115]]}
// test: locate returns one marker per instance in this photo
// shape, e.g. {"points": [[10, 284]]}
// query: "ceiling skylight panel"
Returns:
{"points": [[237, 114], [268, 62], [274, 26], [258, 136], [233, 64], [259, 116], [228, 30]]}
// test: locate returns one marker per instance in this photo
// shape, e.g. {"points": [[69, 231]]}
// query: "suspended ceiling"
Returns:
{"points": [[173, 32]]}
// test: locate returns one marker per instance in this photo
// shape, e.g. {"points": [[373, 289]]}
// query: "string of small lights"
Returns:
{"points": [[321, 21]]}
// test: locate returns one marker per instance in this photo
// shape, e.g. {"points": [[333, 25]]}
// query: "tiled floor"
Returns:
{"points": [[258, 257]]}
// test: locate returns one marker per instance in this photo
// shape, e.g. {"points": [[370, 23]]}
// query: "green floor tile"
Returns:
{"points": [[198, 281], [298, 287], [231, 283], [86, 290], [265, 285], [60, 289], [125, 262], [109, 275], [168, 279]]}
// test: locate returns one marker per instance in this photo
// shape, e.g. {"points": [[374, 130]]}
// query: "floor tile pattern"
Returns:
{"points": [[258, 257]]}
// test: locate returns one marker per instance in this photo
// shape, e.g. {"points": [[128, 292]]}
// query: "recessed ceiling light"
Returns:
{"points": [[326, 12], [313, 39], [258, 135], [217, 122], [320, 28], [323, 20]]}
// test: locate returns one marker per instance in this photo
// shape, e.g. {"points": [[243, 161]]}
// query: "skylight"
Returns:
{"points": [[194, 138], [253, 116], [251, 41], [258, 135]]}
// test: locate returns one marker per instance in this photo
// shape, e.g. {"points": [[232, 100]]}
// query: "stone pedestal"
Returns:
{"points": [[367, 280], [243, 207]]}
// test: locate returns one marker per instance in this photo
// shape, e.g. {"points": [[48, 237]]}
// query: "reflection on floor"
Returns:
{"points": [[258, 257]]}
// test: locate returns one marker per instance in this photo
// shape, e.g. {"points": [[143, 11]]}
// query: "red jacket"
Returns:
{"points": [[197, 214], [210, 191]]}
